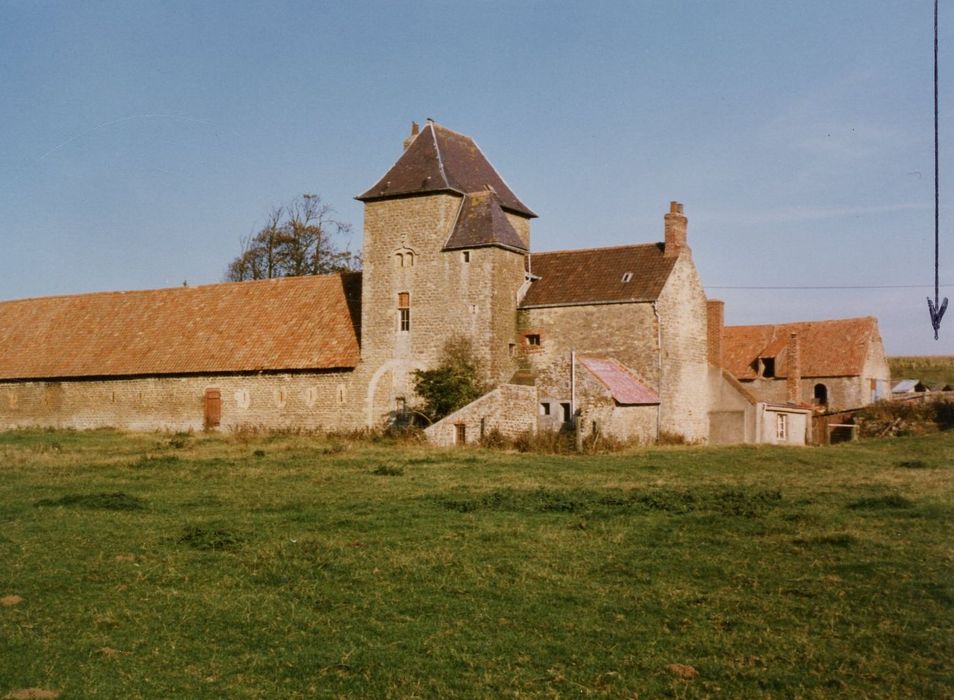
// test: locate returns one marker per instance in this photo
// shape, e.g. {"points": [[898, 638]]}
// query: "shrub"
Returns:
{"points": [[453, 384]]}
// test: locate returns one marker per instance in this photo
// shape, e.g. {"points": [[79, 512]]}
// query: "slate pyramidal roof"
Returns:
{"points": [[287, 324], [835, 348]]}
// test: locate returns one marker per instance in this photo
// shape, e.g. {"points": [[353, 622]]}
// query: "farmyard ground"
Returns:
{"points": [[200, 566]]}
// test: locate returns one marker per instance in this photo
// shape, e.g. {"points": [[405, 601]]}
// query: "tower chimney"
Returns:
{"points": [[793, 375], [415, 130], [676, 224], [715, 321]]}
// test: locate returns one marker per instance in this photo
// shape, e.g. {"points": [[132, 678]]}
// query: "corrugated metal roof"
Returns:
{"points": [[481, 222], [293, 323], [596, 275], [441, 160], [835, 348], [624, 387]]}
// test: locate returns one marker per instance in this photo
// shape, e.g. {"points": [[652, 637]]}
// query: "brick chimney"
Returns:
{"points": [[793, 374], [715, 320], [415, 130], [676, 223]]}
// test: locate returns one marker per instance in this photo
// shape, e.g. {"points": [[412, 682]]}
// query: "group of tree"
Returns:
{"points": [[301, 237]]}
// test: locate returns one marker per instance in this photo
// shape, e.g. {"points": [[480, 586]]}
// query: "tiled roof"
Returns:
{"points": [[441, 160], [481, 222], [828, 348], [621, 383], [293, 323], [595, 275]]}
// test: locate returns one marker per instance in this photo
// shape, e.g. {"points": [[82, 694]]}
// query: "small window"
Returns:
{"points": [[821, 395], [565, 410], [781, 426], [768, 367], [533, 339], [544, 409], [400, 407], [404, 312], [511, 348], [627, 276], [465, 256]]}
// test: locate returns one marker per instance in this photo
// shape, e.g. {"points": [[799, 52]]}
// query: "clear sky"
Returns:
{"points": [[139, 141]]}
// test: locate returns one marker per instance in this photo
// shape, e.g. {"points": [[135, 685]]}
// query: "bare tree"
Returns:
{"points": [[301, 237]]}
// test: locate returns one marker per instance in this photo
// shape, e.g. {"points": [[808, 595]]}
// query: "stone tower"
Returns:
{"points": [[445, 241]]}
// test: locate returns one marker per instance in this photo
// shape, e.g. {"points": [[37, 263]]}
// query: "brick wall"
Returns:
{"points": [[320, 400]]}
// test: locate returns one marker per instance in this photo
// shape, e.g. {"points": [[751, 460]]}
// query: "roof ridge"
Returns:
{"points": [[609, 247], [119, 292], [798, 323], [437, 150]]}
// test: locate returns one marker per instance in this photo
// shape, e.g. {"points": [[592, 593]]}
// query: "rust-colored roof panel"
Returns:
{"points": [[836, 348], [481, 222], [624, 387], [441, 160], [293, 323], [598, 275]]}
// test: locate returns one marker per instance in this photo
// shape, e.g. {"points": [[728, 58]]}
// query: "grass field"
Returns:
{"points": [[930, 369], [199, 566]]}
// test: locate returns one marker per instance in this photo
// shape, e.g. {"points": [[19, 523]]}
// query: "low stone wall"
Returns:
{"points": [[510, 409], [320, 400]]}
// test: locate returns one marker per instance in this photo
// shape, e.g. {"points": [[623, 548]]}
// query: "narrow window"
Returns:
{"points": [[400, 407], [768, 367], [399, 259], [821, 395], [483, 427], [781, 426], [404, 312], [533, 339], [627, 276], [511, 347], [544, 409], [409, 259], [565, 409], [466, 256], [461, 433]]}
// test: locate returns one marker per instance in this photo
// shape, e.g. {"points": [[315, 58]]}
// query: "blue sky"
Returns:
{"points": [[141, 140]]}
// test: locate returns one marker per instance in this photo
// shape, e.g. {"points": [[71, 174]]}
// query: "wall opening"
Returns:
{"points": [[565, 411], [821, 395], [768, 367], [404, 312], [213, 409], [781, 426]]}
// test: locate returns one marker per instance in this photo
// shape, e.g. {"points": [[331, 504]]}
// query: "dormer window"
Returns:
{"points": [[627, 276], [768, 367]]}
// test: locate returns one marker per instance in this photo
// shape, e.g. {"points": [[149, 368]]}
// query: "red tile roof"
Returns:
{"points": [[481, 222], [295, 323], [624, 387], [441, 160], [595, 275], [835, 348]]}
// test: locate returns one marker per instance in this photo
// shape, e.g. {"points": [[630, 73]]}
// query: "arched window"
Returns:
{"points": [[821, 395]]}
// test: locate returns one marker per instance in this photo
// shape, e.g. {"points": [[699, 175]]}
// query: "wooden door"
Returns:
{"points": [[213, 408]]}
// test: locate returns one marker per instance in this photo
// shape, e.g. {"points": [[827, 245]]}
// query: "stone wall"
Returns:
{"points": [[510, 409], [683, 325], [450, 294], [311, 400]]}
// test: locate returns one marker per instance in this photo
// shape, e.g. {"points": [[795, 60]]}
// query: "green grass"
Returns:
{"points": [[203, 566], [930, 369]]}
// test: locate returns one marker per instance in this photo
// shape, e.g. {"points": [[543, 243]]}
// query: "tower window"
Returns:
{"points": [[404, 312], [466, 256], [533, 339]]}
